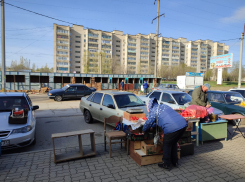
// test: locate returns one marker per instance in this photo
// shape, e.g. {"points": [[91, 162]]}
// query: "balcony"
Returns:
{"points": [[144, 40], [144, 45], [165, 42], [105, 42], [107, 37], [165, 47], [105, 47], [194, 50], [174, 47], [93, 35], [175, 53], [203, 45], [194, 45], [93, 40], [60, 42], [131, 45]]}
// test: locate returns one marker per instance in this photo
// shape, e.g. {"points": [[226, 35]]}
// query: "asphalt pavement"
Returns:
{"points": [[58, 117]]}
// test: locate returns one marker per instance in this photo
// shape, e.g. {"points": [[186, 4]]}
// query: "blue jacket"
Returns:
{"points": [[145, 85], [168, 119], [122, 84]]}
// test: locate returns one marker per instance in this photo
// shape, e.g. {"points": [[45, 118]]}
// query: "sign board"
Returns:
{"points": [[221, 61], [74, 72], [219, 76], [194, 74]]}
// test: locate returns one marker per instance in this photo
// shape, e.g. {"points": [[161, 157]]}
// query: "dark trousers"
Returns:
{"points": [[170, 146]]}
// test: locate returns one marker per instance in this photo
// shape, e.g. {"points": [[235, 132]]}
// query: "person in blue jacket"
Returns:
{"points": [[145, 86], [173, 126], [122, 85]]}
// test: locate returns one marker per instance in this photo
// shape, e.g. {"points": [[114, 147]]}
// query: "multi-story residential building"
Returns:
{"points": [[134, 53]]}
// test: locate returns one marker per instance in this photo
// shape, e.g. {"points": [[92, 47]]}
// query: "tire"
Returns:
{"points": [[87, 117], [35, 139], [58, 98], [235, 121]]}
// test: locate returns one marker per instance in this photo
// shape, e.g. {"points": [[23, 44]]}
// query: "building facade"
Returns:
{"points": [[134, 54]]}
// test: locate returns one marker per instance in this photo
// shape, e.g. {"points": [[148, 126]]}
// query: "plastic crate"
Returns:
{"points": [[135, 136]]}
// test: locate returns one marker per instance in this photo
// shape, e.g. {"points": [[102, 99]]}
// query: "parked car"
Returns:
{"points": [[174, 99], [103, 104], [16, 135], [166, 86], [227, 101], [70, 91], [240, 90]]}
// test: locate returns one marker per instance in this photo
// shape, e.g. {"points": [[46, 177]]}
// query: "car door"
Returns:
{"points": [[95, 106], [168, 100], [217, 100], [81, 91], [108, 107], [71, 93], [87, 90]]}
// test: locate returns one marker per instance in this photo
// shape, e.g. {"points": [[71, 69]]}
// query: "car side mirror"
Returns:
{"points": [[35, 108], [110, 106]]}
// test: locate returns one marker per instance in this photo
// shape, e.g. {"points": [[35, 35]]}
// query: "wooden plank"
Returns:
{"points": [[66, 134], [194, 133], [80, 144], [137, 145], [68, 156], [232, 117]]}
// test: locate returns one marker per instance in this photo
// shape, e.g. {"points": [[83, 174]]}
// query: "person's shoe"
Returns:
{"points": [[162, 165], [176, 165]]}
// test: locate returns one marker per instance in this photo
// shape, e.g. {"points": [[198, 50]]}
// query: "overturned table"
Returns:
{"points": [[74, 154]]}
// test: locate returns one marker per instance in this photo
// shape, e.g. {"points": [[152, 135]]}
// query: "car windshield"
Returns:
{"points": [[65, 87], [182, 98], [128, 100], [9, 103], [234, 98]]}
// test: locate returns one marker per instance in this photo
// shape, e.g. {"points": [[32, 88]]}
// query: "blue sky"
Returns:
{"points": [[31, 36]]}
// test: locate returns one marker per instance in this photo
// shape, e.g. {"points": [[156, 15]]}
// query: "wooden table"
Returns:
{"points": [[233, 117], [74, 154]]}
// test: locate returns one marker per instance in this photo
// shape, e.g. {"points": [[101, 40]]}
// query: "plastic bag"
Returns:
{"points": [[197, 111], [210, 110]]}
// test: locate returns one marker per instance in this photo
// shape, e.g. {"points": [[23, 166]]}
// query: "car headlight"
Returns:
{"points": [[22, 130], [50, 94]]}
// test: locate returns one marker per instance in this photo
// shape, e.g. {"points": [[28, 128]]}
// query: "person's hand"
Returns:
{"points": [[208, 106]]}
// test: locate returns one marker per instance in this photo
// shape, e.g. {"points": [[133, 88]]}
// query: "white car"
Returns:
{"points": [[174, 99], [13, 134]]}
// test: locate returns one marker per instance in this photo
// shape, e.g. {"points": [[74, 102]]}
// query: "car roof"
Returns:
{"points": [[77, 84], [237, 89], [223, 92], [12, 94], [169, 91], [114, 92]]}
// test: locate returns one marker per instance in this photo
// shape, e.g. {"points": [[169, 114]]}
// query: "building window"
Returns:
{"points": [[77, 46], [77, 56], [77, 61], [77, 41], [117, 50], [77, 51], [78, 36], [152, 52], [77, 66], [118, 41], [117, 45]]}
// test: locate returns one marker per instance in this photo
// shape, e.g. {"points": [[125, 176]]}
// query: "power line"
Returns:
{"points": [[38, 13], [29, 28]]}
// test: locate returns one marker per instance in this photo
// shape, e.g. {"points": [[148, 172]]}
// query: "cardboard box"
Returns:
{"points": [[129, 115], [149, 148]]}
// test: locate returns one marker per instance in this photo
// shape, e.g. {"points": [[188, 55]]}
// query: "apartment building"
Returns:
{"points": [[135, 54]]}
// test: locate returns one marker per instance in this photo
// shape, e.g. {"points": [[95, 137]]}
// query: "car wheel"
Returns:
{"points": [[87, 116], [236, 121], [35, 139], [58, 98]]}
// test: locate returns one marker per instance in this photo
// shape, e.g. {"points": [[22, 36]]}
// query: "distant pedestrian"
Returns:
{"points": [[145, 87], [122, 85]]}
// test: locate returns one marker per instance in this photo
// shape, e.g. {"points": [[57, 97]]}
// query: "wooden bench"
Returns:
{"points": [[74, 154]]}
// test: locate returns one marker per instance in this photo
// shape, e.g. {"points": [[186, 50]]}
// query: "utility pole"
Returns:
{"points": [[156, 53], [3, 44], [240, 66]]}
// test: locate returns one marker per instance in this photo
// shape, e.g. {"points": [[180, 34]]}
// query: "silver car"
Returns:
{"points": [[103, 104], [167, 86], [174, 99], [16, 135]]}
